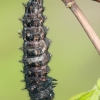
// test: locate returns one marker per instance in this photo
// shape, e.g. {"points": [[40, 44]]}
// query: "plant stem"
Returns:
{"points": [[84, 23]]}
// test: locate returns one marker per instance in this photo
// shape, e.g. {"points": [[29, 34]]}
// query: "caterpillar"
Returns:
{"points": [[35, 53]]}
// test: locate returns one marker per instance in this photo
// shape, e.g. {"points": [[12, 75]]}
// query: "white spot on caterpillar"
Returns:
{"points": [[50, 94], [36, 59]]}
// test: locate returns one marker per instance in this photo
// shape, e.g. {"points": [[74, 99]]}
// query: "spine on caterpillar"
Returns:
{"points": [[35, 53]]}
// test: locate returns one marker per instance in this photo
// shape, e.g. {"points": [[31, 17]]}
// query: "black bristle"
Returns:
{"points": [[21, 48], [20, 61]]}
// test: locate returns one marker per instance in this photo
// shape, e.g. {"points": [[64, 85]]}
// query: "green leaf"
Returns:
{"points": [[96, 95], [93, 94], [87, 95], [83, 96], [77, 96], [98, 83]]}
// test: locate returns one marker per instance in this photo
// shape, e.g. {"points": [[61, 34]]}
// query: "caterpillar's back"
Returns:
{"points": [[36, 55]]}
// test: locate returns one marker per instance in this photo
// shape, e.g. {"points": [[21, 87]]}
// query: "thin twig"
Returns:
{"points": [[96, 0], [71, 4]]}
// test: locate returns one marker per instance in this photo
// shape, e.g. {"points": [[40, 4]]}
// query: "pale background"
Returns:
{"points": [[75, 62]]}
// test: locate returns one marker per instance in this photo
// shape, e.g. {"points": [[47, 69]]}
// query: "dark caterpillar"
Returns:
{"points": [[36, 55]]}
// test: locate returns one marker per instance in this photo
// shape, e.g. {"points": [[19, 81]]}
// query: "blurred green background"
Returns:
{"points": [[75, 62]]}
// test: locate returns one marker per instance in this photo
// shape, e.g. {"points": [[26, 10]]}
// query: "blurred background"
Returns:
{"points": [[75, 62]]}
